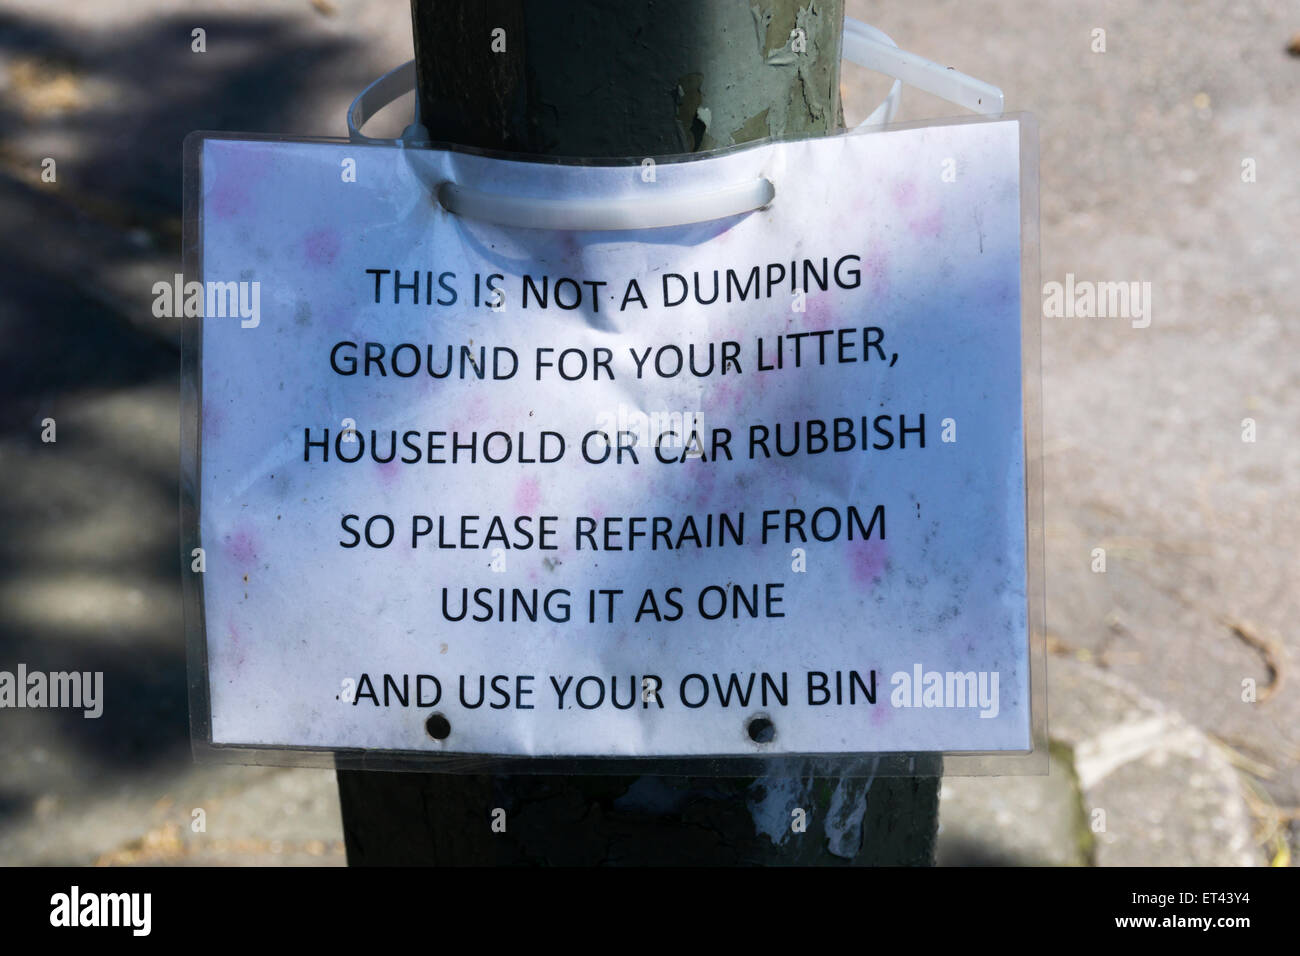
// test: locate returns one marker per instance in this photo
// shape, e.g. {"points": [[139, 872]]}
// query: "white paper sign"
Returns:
{"points": [[616, 493]]}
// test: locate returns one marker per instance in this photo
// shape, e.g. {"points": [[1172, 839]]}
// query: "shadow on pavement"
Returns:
{"points": [[90, 569]]}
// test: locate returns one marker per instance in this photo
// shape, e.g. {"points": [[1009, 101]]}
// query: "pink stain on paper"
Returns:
{"points": [[703, 479], [725, 395], [904, 193], [528, 495], [388, 471], [473, 411], [229, 196], [242, 547], [231, 193], [929, 225], [236, 642], [867, 561], [819, 315], [213, 419], [875, 266], [321, 247]]}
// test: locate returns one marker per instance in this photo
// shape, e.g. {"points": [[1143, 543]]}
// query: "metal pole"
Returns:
{"points": [[616, 78]]}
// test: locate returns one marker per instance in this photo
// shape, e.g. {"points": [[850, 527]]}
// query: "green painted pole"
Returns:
{"points": [[634, 79]]}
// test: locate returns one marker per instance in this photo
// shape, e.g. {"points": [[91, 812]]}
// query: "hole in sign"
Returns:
{"points": [[761, 730], [438, 727]]}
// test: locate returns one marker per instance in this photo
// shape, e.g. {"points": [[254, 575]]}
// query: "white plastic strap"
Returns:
{"points": [[386, 89], [869, 47], [604, 214], [863, 44]]}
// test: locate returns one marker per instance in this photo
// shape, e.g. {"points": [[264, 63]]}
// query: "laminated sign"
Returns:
{"points": [[471, 478]]}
